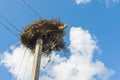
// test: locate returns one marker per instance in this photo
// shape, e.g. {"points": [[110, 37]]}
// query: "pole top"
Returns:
{"points": [[50, 31]]}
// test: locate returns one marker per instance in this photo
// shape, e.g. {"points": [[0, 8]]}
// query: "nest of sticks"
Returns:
{"points": [[50, 31]]}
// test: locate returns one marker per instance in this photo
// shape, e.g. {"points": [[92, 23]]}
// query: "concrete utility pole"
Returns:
{"points": [[37, 60]]}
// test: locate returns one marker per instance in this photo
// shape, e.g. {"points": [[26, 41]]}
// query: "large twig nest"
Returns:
{"points": [[50, 31]]}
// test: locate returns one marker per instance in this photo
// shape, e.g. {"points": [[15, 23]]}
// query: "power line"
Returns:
{"points": [[77, 43], [9, 23], [8, 29], [21, 62], [32, 9], [26, 67], [17, 35]]}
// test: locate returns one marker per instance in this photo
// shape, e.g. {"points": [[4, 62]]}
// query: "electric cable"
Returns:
{"points": [[10, 23], [20, 65], [31, 8], [8, 29], [26, 67]]}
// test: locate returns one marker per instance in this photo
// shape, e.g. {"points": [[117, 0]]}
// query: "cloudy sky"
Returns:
{"points": [[92, 39]]}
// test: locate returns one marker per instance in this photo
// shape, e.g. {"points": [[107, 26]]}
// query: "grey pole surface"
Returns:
{"points": [[37, 59]]}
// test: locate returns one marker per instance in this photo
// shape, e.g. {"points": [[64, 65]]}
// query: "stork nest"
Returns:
{"points": [[50, 31]]}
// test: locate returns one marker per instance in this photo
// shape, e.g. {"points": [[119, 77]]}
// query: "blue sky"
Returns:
{"points": [[100, 17]]}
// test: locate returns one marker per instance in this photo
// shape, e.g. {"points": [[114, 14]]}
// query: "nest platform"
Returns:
{"points": [[50, 31]]}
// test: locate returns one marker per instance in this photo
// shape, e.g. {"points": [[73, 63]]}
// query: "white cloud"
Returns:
{"points": [[110, 3], [82, 1], [18, 62], [79, 66]]}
